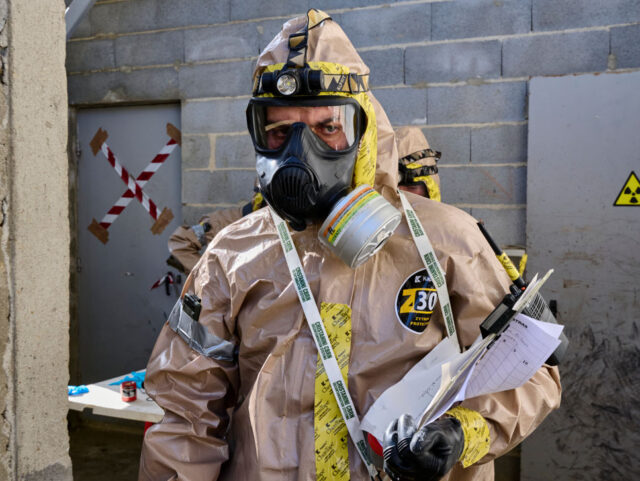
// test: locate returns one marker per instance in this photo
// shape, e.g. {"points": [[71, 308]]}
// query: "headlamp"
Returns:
{"points": [[287, 84], [292, 81]]}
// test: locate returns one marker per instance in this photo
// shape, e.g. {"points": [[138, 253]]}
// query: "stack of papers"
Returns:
{"points": [[445, 376]]}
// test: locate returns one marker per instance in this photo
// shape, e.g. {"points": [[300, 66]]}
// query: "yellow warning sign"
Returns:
{"points": [[630, 193]]}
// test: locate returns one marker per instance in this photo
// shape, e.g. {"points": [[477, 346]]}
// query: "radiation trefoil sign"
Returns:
{"points": [[630, 193]]}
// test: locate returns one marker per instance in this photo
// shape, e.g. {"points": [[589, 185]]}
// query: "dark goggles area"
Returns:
{"points": [[338, 122]]}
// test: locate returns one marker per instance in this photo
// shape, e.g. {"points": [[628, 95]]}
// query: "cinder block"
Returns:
{"points": [[216, 80], [479, 18], [555, 54], [224, 41], [498, 102], [483, 185], [404, 105], [115, 87], [148, 84], [213, 116], [235, 151], [267, 30], [150, 49], [217, 187], [142, 15], [196, 151], [328, 5], [386, 66], [191, 214], [452, 142], [87, 55], [507, 226], [249, 9], [452, 62], [505, 143], [625, 45], [389, 24], [554, 15], [83, 29], [89, 88]]}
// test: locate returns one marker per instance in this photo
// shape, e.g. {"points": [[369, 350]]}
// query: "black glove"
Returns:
{"points": [[426, 454], [176, 264]]}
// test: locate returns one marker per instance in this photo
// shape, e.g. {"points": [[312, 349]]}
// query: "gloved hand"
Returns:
{"points": [[424, 454]]}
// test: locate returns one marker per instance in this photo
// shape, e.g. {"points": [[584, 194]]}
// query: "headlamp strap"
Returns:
{"points": [[434, 269], [297, 50], [319, 334]]}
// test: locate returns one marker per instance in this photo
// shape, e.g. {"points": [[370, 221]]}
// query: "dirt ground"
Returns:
{"points": [[103, 449]]}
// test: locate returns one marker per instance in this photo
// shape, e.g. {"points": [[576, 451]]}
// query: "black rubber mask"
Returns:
{"points": [[304, 177]]}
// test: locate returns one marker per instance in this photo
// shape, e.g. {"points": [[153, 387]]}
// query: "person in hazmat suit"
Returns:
{"points": [[320, 278], [186, 242], [417, 163]]}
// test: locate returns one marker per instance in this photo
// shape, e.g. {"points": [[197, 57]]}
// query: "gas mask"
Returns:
{"points": [[305, 155]]}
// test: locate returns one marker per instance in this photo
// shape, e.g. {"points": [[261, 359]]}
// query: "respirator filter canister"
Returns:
{"points": [[359, 225]]}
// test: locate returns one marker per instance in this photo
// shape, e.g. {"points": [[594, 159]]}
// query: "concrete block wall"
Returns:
{"points": [[460, 69]]}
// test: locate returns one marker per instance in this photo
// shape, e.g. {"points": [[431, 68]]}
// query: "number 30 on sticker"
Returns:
{"points": [[418, 300], [415, 301]]}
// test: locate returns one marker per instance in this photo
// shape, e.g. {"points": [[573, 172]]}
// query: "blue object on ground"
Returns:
{"points": [[138, 377], [76, 390]]}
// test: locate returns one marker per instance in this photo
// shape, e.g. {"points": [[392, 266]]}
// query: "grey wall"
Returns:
{"points": [[458, 68]]}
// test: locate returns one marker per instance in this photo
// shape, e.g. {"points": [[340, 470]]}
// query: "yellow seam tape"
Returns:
{"points": [[476, 434], [330, 431], [431, 185], [512, 272], [523, 264]]}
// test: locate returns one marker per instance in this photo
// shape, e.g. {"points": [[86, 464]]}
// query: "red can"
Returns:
{"points": [[128, 390]]}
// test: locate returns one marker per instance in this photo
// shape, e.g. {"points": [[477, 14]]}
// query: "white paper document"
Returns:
{"points": [[444, 376]]}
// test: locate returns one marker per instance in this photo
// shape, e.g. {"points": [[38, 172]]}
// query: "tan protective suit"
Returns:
{"points": [[411, 140], [184, 244], [253, 419]]}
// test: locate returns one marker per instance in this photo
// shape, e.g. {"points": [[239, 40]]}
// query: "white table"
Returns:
{"points": [[106, 400]]}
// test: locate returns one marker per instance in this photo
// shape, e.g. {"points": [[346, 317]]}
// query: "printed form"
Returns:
{"points": [[444, 377]]}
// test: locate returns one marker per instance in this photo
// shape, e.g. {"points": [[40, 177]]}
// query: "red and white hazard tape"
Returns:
{"points": [[134, 186], [140, 181], [168, 279], [130, 182]]}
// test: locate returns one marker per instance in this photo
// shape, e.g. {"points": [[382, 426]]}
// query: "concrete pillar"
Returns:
{"points": [[34, 242]]}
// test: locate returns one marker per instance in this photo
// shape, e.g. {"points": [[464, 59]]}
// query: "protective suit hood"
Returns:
{"points": [[329, 48], [417, 162]]}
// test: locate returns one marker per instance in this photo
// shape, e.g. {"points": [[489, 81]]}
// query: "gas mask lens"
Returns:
{"points": [[337, 126]]}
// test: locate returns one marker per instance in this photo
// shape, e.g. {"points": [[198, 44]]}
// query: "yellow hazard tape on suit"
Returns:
{"points": [[330, 430], [476, 434], [523, 264], [432, 187], [512, 272]]}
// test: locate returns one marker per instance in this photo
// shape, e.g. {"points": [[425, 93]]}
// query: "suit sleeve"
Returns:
{"points": [[184, 244], [479, 283], [196, 391]]}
